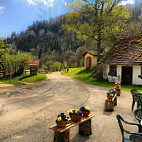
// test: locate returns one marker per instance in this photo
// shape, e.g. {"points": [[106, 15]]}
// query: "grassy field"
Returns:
{"points": [[24, 78], [87, 77]]}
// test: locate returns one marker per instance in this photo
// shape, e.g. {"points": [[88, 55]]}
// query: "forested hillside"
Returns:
{"points": [[50, 42]]}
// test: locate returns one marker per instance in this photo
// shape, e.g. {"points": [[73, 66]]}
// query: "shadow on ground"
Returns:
{"points": [[25, 77], [78, 138]]}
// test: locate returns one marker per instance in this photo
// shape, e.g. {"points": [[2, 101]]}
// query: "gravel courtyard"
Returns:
{"points": [[27, 116]]}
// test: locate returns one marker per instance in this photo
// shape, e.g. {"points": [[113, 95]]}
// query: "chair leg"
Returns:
{"points": [[133, 103], [138, 105]]}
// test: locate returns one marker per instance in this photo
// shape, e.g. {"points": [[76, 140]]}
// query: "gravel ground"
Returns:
{"points": [[27, 116]]}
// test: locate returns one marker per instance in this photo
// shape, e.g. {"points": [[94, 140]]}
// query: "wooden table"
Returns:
{"points": [[62, 134]]}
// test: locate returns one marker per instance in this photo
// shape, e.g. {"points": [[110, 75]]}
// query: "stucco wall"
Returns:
{"points": [[136, 72], [95, 60], [112, 78], [135, 79]]}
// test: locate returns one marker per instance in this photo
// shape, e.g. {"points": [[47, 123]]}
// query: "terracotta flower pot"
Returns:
{"points": [[117, 86], [86, 113], [62, 124], [110, 97], [75, 118]]}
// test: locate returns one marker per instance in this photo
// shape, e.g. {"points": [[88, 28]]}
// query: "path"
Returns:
{"points": [[26, 117]]}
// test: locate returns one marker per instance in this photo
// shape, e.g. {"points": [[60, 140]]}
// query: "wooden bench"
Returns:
{"points": [[109, 104], [62, 134]]}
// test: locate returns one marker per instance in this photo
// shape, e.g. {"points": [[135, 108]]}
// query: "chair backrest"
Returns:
{"points": [[138, 114], [119, 120], [133, 91], [136, 97]]}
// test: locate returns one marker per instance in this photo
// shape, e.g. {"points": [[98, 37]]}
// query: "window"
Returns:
{"points": [[113, 70]]}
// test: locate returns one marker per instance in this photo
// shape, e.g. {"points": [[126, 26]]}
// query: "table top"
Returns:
{"points": [[70, 125], [136, 138]]}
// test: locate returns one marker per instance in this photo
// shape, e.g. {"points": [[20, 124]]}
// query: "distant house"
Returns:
{"points": [[123, 61], [33, 64], [90, 59]]}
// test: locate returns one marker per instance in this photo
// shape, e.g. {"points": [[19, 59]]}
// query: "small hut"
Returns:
{"points": [[90, 59], [123, 62], [33, 64]]}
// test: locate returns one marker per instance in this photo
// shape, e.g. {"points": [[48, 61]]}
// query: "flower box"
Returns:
{"points": [[110, 97], [75, 118], [86, 113], [62, 124]]}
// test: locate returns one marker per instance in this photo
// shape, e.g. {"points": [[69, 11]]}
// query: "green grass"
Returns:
{"points": [[25, 78], [87, 77]]}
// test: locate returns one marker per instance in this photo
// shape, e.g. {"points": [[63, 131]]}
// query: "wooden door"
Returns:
{"points": [[126, 75], [88, 62]]}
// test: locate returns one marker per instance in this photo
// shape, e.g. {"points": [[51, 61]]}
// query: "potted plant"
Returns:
{"points": [[75, 115], [117, 85], [85, 111], [111, 94], [62, 120]]}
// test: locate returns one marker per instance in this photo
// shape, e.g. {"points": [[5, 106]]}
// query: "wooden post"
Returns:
{"points": [[85, 128], [115, 100], [109, 105], [61, 137], [118, 91]]}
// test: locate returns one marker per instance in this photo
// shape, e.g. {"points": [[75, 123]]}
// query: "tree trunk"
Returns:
{"points": [[99, 44]]}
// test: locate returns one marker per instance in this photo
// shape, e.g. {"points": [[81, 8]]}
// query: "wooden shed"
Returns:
{"points": [[33, 64], [90, 59]]}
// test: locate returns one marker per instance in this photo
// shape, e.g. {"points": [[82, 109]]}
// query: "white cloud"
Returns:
{"points": [[127, 2], [41, 2], [2, 9], [65, 2], [31, 2]]}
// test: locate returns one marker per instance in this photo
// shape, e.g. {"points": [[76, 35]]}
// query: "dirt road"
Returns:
{"points": [[27, 116]]}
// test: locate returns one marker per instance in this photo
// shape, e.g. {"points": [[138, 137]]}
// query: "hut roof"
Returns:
{"points": [[126, 51], [34, 62], [94, 53]]}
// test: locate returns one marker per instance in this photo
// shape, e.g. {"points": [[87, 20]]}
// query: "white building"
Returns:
{"points": [[123, 62]]}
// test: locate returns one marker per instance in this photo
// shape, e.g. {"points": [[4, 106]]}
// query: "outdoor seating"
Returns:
{"points": [[136, 98], [138, 114], [133, 136]]}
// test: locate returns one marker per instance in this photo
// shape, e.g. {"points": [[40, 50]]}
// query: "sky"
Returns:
{"points": [[17, 15]]}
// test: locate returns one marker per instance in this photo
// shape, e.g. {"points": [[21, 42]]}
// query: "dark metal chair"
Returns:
{"points": [[136, 97], [132, 135], [138, 114]]}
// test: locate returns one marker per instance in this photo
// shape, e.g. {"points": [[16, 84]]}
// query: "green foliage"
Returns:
{"points": [[25, 78], [91, 20], [50, 66], [8, 56], [57, 65], [4, 47]]}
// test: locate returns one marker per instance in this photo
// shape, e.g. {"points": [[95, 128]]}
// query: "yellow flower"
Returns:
{"points": [[59, 119], [88, 108]]}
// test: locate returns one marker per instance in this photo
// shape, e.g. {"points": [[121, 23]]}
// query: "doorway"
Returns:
{"points": [[127, 75], [88, 63]]}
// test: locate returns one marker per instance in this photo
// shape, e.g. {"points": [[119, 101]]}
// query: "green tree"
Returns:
{"points": [[4, 48], [57, 65], [93, 19]]}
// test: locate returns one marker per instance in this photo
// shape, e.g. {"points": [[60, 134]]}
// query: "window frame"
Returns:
{"points": [[112, 70]]}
